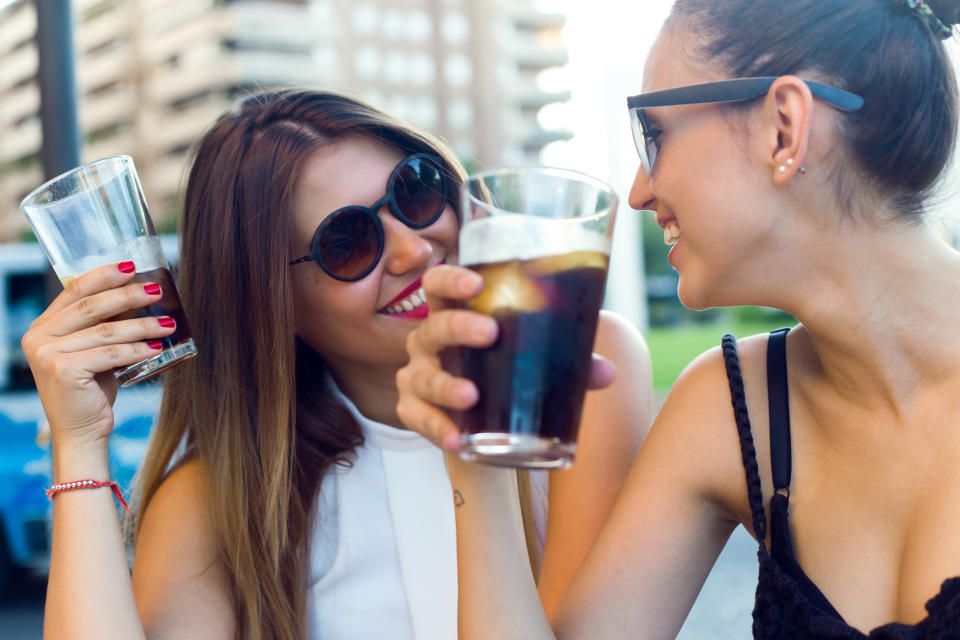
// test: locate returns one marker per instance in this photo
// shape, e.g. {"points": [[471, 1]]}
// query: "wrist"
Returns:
{"points": [[75, 461]]}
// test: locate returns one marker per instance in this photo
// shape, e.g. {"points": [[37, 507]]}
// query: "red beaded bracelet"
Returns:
{"points": [[88, 484]]}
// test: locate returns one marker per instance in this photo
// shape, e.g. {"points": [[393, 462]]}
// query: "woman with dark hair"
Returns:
{"points": [[789, 149], [278, 498]]}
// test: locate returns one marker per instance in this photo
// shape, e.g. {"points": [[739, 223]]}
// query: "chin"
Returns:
{"points": [[691, 297]]}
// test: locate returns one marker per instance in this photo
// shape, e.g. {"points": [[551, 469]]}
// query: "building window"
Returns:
{"points": [[460, 114], [419, 26], [457, 70], [395, 68], [367, 62], [365, 19], [422, 69], [455, 28], [394, 24]]}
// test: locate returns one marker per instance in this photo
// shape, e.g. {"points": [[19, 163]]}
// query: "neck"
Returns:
{"points": [[878, 309], [373, 388]]}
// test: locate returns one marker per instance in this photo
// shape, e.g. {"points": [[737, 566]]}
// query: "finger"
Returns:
{"points": [[429, 421], [428, 382], [82, 365], [96, 308], [452, 327], [108, 276], [118, 332], [446, 283], [602, 372]]}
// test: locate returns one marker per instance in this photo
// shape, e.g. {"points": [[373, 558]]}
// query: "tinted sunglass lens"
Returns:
{"points": [[419, 191], [349, 244]]}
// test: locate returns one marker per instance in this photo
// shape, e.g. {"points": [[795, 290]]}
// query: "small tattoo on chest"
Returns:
{"points": [[458, 500]]}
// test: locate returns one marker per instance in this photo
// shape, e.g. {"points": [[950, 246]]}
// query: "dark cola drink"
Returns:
{"points": [[177, 346], [168, 305], [532, 381]]}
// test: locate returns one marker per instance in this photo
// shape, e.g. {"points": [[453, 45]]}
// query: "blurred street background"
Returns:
{"points": [[503, 81]]}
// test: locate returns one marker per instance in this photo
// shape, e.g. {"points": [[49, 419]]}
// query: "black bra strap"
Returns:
{"points": [[747, 451], [780, 454]]}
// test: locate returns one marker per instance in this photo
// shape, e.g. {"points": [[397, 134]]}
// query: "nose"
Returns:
{"points": [[641, 196], [404, 248]]}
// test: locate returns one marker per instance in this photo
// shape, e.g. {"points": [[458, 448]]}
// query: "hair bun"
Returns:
{"points": [[946, 11]]}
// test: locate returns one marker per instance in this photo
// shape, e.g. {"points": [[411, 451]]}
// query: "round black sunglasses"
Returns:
{"points": [[348, 244], [645, 134]]}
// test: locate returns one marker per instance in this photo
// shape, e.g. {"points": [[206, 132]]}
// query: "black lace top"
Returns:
{"points": [[788, 604]]}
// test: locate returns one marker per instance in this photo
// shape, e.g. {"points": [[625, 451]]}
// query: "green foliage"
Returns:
{"points": [[673, 348]]}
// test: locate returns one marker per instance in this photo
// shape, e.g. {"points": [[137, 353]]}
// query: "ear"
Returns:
{"points": [[789, 105]]}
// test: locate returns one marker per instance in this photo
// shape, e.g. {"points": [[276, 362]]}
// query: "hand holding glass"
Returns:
{"points": [[540, 238], [95, 215]]}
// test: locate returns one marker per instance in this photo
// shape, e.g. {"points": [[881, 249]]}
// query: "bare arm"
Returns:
{"points": [[684, 496], [72, 349], [615, 421], [652, 556], [181, 587]]}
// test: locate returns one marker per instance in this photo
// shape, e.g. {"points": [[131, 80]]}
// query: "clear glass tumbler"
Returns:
{"points": [[540, 237], [95, 215]]}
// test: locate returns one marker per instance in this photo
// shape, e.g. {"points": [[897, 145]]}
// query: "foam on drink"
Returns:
{"points": [[513, 251], [511, 236]]}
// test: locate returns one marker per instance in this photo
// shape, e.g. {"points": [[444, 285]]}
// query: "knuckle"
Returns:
{"points": [[402, 377], [412, 340], [60, 369], [113, 351], [105, 330], [403, 411], [40, 354], [86, 306], [73, 288], [27, 342]]}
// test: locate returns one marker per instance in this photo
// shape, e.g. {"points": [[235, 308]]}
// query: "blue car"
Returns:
{"points": [[25, 459]]}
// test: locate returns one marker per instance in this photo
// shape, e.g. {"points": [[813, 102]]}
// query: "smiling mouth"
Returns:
{"points": [[671, 230], [414, 300]]}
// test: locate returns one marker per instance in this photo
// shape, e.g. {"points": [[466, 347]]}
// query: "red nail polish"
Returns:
{"points": [[126, 267], [152, 288], [167, 321], [156, 345]]}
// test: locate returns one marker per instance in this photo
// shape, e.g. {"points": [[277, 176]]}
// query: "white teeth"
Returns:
{"points": [[416, 299], [671, 232]]}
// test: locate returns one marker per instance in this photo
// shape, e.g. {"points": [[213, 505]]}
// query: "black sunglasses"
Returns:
{"points": [[349, 242], [737, 90]]}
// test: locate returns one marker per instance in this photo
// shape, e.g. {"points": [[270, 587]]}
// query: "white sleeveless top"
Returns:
{"points": [[383, 556]]}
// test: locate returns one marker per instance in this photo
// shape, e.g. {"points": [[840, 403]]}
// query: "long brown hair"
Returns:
{"points": [[251, 405]]}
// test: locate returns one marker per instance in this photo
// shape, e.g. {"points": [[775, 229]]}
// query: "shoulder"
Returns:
{"points": [[615, 333], [620, 342], [621, 413], [178, 575], [696, 426], [181, 500]]}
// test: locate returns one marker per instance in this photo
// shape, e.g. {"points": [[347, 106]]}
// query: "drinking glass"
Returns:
{"points": [[540, 237], [95, 215]]}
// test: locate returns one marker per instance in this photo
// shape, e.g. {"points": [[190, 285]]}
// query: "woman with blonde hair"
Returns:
{"points": [[279, 498]]}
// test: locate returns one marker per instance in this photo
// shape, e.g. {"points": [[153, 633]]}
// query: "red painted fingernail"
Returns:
{"points": [[152, 288], [167, 321], [126, 267], [156, 345]]}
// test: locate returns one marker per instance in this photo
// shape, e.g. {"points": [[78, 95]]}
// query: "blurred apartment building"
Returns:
{"points": [[153, 75]]}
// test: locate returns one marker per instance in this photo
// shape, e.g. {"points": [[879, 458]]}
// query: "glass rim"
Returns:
{"points": [[122, 157], [559, 172]]}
